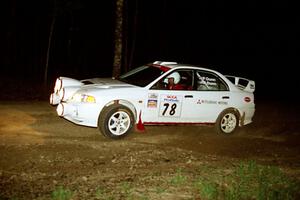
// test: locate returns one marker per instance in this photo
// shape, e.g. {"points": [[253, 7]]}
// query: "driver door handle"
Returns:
{"points": [[188, 96]]}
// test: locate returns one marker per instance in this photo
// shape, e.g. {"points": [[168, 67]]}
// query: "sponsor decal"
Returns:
{"points": [[152, 96], [222, 103], [170, 106], [205, 101], [152, 103], [206, 81], [152, 100], [208, 102], [170, 98]]}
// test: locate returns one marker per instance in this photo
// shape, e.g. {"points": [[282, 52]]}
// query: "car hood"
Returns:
{"points": [[93, 85], [103, 83]]}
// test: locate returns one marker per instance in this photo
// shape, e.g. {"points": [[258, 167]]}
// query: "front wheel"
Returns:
{"points": [[227, 122], [115, 121]]}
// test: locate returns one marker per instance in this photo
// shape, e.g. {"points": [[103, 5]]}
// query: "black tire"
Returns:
{"points": [[227, 122], [115, 121]]}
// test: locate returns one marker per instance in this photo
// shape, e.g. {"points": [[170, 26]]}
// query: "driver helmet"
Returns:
{"points": [[174, 75]]}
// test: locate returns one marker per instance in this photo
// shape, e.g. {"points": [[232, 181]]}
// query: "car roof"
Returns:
{"points": [[166, 65]]}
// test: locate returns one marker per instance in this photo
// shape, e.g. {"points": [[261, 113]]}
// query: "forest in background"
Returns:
{"points": [[250, 38]]}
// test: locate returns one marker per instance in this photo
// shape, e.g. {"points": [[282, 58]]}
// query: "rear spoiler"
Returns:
{"points": [[242, 83]]}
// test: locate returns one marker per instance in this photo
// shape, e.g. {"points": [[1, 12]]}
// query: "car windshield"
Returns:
{"points": [[141, 76]]}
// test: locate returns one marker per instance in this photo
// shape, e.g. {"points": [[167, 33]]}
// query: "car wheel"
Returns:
{"points": [[115, 121], [227, 122]]}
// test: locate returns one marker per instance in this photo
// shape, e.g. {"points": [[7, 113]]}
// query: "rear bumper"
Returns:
{"points": [[247, 115]]}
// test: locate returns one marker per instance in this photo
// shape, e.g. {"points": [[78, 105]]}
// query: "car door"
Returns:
{"points": [[164, 105], [209, 98]]}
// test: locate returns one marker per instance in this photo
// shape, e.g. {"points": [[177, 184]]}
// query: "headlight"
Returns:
{"points": [[83, 98], [61, 94], [58, 85]]}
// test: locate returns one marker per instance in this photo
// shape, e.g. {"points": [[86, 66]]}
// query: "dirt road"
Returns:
{"points": [[40, 152]]}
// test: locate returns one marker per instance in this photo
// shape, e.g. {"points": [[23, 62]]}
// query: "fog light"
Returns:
{"points": [[51, 99], [60, 109], [54, 99]]}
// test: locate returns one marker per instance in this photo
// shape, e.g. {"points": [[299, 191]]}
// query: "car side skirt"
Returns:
{"points": [[179, 123]]}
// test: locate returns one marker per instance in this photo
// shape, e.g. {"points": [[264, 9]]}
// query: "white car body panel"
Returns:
{"points": [[153, 106]]}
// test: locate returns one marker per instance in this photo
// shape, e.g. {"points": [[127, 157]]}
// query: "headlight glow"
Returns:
{"points": [[90, 99], [61, 94], [58, 85], [84, 98]]}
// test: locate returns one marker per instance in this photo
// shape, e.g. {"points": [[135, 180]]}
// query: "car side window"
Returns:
{"points": [[186, 80], [207, 81], [176, 80]]}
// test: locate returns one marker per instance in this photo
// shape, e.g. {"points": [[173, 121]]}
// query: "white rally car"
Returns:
{"points": [[156, 93]]}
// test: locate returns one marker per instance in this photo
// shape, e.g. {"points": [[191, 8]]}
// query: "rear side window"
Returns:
{"points": [[207, 81]]}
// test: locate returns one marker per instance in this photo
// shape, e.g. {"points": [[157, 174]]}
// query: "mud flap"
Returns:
{"points": [[140, 126]]}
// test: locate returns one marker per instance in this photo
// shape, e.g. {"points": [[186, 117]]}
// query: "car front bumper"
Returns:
{"points": [[85, 114]]}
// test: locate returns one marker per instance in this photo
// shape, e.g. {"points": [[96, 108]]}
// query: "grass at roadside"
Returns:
{"points": [[245, 180], [248, 180]]}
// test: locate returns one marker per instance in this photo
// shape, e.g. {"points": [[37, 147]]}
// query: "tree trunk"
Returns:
{"points": [[118, 39], [134, 32], [48, 51]]}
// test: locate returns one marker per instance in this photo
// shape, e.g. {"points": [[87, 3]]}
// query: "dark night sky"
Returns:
{"points": [[255, 39]]}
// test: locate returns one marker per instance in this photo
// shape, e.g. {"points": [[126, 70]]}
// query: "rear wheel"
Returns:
{"points": [[115, 121], [227, 122]]}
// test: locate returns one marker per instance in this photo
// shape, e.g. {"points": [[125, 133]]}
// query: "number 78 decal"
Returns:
{"points": [[170, 106]]}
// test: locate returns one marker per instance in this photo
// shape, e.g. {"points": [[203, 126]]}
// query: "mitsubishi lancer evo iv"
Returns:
{"points": [[159, 93]]}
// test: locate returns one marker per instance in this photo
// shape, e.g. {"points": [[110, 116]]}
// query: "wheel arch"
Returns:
{"points": [[228, 126], [125, 103], [239, 116]]}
